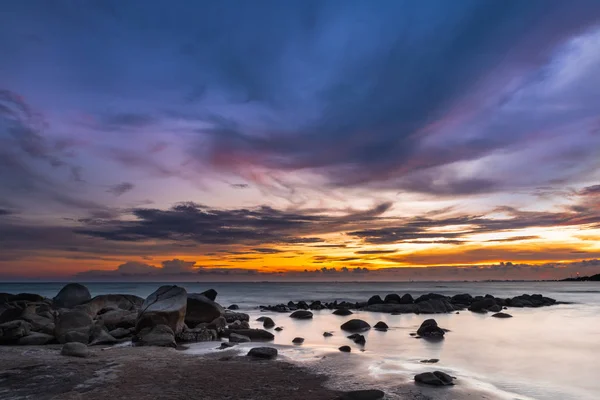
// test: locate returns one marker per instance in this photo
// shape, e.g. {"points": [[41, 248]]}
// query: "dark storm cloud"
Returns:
{"points": [[121, 188], [4, 212], [375, 251]]}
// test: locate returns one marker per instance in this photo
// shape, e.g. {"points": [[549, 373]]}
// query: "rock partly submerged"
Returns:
{"points": [[436, 378], [355, 325], [365, 394], [265, 353], [430, 329]]}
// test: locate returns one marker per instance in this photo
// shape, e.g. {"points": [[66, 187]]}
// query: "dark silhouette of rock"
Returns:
{"points": [[360, 339], [118, 319], [345, 349], [436, 378], [71, 295], [298, 340], [355, 325], [233, 307], [120, 333], [201, 309], [392, 298], [226, 345], [342, 312], [430, 329], [36, 339], [231, 316], [374, 300], [267, 353], [407, 299], [235, 338], [253, 334], [210, 294], [261, 319], [74, 322], [327, 334], [483, 306], [104, 303], [158, 335], [370, 394], [381, 326], [430, 361], [279, 329], [166, 306], [502, 315], [268, 323], [75, 349], [301, 314]]}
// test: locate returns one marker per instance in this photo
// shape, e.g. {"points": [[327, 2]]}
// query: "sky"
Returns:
{"points": [[299, 140]]}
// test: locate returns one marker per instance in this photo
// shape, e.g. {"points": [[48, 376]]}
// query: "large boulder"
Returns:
{"points": [[99, 335], [75, 349], [392, 298], [253, 334], [267, 353], [355, 325], [407, 299], [121, 333], [374, 300], [35, 339], [268, 323], [201, 309], [436, 378], [112, 302], [484, 305], [12, 331], [301, 314], [381, 326], [435, 306], [231, 316], [166, 306], [40, 316], [210, 293], [235, 338], [430, 329], [74, 322], [114, 319], [158, 335], [71, 295]]}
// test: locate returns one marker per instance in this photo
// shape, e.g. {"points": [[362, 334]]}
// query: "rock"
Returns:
{"points": [[12, 331], [407, 299], [482, 306], [502, 315], [430, 361], [231, 316], [298, 340], [342, 312], [327, 334], [158, 335], [233, 307], [381, 326], [465, 299], [120, 333], [434, 306], [71, 295], [197, 334], [301, 314], [27, 297], [235, 338], [374, 300], [430, 329], [360, 339], [279, 329], [99, 335], [201, 309], [371, 394], [392, 299], [345, 349], [267, 353], [436, 378], [210, 294], [253, 334], [75, 349], [268, 323], [166, 306], [355, 325], [393, 308], [112, 302], [225, 345], [74, 322], [261, 319], [40, 319], [35, 339], [118, 319]]}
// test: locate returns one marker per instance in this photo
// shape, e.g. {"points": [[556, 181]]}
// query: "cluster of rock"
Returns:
{"points": [[432, 303], [168, 316]]}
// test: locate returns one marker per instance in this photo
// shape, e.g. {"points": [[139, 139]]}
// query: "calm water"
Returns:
{"points": [[544, 353]]}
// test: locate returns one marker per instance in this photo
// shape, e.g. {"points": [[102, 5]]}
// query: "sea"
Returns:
{"points": [[541, 353]]}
